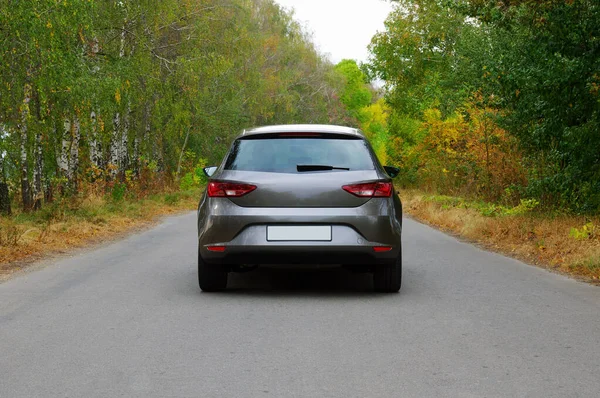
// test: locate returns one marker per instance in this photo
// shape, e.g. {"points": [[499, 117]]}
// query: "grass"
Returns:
{"points": [[67, 224], [565, 243]]}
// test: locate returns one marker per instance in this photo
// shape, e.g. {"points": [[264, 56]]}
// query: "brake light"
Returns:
{"points": [[222, 189], [382, 249], [370, 189], [294, 135], [217, 249]]}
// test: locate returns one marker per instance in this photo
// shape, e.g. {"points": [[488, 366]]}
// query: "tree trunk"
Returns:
{"points": [[63, 159], [153, 142], [38, 193], [114, 155], [136, 154], [95, 149], [25, 186], [49, 194], [123, 146], [122, 46], [74, 158], [4, 200], [187, 136]]}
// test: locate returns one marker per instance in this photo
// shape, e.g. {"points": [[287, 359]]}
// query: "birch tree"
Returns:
{"points": [[95, 90]]}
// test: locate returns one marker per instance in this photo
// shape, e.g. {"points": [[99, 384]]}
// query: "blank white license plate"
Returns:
{"points": [[299, 233]]}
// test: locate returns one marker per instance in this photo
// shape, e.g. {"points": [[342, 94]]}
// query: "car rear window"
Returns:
{"points": [[283, 155]]}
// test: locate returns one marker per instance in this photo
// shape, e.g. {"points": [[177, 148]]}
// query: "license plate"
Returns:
{"points": [[299, 233]]}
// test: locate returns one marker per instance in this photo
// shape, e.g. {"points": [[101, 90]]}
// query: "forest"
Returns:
{"points": [[490, 99], [495, 99], [126, 97]]}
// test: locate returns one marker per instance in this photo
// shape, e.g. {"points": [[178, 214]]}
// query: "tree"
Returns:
{"points": [[97, 94]]}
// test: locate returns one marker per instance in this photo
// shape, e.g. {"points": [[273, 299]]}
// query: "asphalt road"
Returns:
{"points": [[129, 320]]}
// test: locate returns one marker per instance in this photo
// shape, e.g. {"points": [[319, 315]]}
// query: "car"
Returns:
{"points": [[300, 194]]}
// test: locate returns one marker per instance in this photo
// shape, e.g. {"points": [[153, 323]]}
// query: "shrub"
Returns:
{"points": [[187, 182], [588, 231], [118, 192], [172, 198]]}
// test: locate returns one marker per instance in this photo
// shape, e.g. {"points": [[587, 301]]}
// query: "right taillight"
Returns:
{"points": [[224, 189], [370, 189]]}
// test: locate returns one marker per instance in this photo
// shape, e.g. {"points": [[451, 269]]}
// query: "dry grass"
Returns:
{"points": [[558, 242], [60, 227]]}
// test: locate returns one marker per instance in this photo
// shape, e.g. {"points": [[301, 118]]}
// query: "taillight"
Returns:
{"points": [[222, 189], [382, 249], [299, 135], [370, 189], [217, 249]]}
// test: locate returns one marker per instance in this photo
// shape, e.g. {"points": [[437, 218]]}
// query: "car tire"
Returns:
{"points": [[211, 278], [388, 278]]}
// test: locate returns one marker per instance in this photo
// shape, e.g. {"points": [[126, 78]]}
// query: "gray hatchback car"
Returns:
{"points": [[300, 194]]}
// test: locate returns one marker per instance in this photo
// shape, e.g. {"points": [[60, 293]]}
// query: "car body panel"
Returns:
{"points": [[220, 220], [319, 189], [302, 128]]}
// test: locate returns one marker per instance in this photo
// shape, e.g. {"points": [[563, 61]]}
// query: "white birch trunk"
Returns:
{"points": [[122, 47], [118, 141], [125, 131], [38, 193], [151, 142], [136, 154], [4, 136], [147, 127], [114, 147], [25, 186], [74, 155], [95, 45], [123, 145], [63, 158], [95, 150]]}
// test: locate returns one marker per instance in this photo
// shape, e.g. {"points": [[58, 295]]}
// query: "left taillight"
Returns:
{"points": [[224, 189], [370, 189]]}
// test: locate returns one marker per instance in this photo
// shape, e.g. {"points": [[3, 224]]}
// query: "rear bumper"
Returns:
{"points": [[346, 247], [265, 256], [379, 220], [355, 231]]}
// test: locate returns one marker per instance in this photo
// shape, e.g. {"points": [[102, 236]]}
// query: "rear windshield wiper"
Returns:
{"points": [[318, 167]]}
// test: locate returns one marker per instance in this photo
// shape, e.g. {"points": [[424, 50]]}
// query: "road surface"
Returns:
{"points": [[129, 320]]}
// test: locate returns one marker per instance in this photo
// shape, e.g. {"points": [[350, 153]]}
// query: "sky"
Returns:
{"points": [[341, 28]]}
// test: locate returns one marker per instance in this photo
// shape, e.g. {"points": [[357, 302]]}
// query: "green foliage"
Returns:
{"points": [[533, 64], [172, 198], [146, 82], [187, 182], [486, 209], [364, 106], [199, 176], [588, 231], [356, 94], [118, 192]]}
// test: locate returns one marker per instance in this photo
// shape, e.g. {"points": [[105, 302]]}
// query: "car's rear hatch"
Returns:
{"points": [[319, 189], [300, 170]]}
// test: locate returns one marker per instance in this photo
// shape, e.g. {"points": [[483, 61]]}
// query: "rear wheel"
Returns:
{"points": [[388, 278], [211, 278]]}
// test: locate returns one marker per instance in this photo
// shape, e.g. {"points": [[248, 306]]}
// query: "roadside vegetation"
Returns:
{"points": [[561, 242], [69, 223], [495, 100], [494, 118], [106, 104]]}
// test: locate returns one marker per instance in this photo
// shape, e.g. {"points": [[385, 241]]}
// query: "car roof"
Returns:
{"points": [[303, 128]]}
